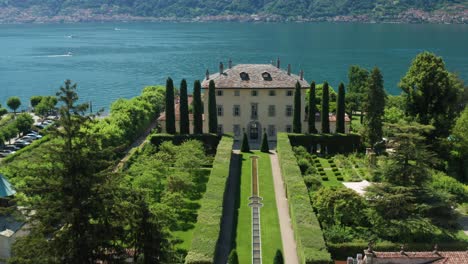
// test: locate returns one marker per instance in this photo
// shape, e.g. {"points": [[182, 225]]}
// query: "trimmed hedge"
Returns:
{"points": [[311, 247], [334, 143], [207, 229], [210, 141], [341, 251]]}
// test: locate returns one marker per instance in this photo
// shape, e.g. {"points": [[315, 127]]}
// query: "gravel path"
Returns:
{"points": [[287, 233]]}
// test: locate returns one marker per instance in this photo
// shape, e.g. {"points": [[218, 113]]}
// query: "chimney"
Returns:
{"points": [[278, 63], [221, 68], [301, 74], [289, 69], [230, 64], [207, 74]]}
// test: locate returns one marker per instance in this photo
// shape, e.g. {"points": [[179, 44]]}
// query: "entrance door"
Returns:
{"points": [[254, 131]]}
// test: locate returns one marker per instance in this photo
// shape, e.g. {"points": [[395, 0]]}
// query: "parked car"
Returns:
{"points": [[33, 135], [11, 147], [21, 143], [6, 152], [28, 139]]}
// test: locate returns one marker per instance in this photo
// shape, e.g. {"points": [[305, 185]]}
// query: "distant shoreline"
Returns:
{"points": [[16, 16]]}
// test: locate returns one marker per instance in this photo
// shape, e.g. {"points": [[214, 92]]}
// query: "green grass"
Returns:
{"points": [[332, 180], [271, 235]]}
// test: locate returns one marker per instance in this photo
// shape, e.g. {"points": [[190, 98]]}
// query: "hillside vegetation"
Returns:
{"points": [[271, 9]]}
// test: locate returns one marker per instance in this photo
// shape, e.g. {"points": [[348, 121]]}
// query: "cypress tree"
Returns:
{"points": [[311, 109], [184, 111], [340, 110], [374, 107], [245, 144], [325, 108], [278, 257], [170, 109], [197, 109], [297, 126], [233, 258], [212, 115], [265, 148]]}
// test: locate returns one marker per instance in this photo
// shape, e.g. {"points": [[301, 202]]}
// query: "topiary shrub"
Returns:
{"points": [[340, 178], [312, 183], [278, 257], [245, 144], [265, 148], [233, 258], [324, 178], [303, 165]]}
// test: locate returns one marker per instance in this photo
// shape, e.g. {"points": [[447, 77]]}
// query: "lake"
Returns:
{"points": [[110, 60]]}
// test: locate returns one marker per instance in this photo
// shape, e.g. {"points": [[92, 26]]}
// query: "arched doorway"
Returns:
{"points": [[254, 131]]}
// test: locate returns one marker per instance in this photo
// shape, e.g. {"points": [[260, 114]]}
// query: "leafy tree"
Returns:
{"points": [[325, 109], [3, 111], [184, 111], [357, 90], [374, 107], [212, 113], [340, 110], [46, 105], [278, 257], [170, 108], [265, 148], [14, 103], [24, 122], [339, 206], [297, 122], [197, 109], [35, 100], [432, 94], [311, 110], [245, 143], [233, 258], [459, 156]]}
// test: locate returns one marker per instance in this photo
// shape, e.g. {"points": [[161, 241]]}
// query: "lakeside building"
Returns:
{"points": [[255, 98]]}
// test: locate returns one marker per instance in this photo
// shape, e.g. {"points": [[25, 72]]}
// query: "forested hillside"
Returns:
{"points": [[272, 9]]}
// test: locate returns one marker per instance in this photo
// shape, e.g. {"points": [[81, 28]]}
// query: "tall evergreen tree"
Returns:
{"points": [[170, 108], [184, 111], [245, 147], [264, 147], [297, 124], [340, 110], [233, 258], [69, 223], [278, 257], [311, 110], [197, 109], [374, 108], [357, 90], [325, 108], [212, 114]]}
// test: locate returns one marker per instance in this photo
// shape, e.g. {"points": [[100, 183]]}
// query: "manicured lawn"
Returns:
{"points": [[271, 235], [332, 180]]}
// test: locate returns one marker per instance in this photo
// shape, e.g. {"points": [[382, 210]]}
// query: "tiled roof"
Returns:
{"points": [[440, 257], [231, 78], [162, 116]]}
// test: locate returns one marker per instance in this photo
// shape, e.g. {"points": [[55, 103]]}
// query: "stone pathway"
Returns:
{"points": [[255, 204], [287, 232]]}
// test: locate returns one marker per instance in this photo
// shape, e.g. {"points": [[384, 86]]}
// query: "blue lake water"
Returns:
{"points": [[109, 61]]}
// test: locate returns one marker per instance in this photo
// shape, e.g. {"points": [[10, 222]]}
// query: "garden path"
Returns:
{"points": [[287, 232]]}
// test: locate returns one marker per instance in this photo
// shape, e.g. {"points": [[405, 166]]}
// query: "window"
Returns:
{"points": [[289, 110], [288, 128], [254, 93], [271, 130], [289, 93], [254, 111], [272, 93], [244, 76], [271, 110], [236, 130], [236, 93], [266, 76], [220, 129], [219, 110], [236, 110], [219, 93]]}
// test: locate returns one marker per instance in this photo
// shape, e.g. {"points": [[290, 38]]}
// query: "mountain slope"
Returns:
{"points": [[284, 9]]}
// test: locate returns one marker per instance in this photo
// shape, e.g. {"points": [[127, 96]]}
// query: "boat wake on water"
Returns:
{"points": [[68, 54]]}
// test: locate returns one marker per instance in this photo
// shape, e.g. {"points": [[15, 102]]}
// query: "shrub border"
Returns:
{"points": [[208, 226], [311, 247]]}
